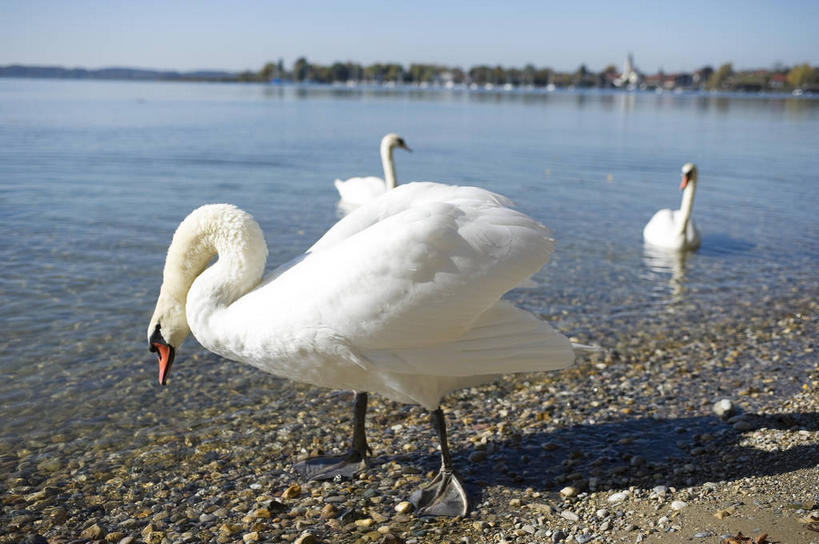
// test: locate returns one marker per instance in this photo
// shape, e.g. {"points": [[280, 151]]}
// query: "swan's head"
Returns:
{"points": [[689, 175], [392, 140], [166, 332]]}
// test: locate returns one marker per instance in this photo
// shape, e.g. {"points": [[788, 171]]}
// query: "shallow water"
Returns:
{"points": [[95, 176]]}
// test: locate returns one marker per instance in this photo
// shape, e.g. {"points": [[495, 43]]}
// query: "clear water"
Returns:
{"points": [[95, 176]]}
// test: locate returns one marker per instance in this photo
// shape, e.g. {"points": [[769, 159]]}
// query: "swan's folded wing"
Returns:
{"points": [[504, 339], [419, 277], [396, 201], [360, 190]]}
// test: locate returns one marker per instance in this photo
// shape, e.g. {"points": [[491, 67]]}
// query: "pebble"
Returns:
{"points": [[292, 492], [678, 505], [618, 497], [94, 532], [404, 507], [743, 425], [569, 515], [660, 491], [724, 409], [569, 491]]}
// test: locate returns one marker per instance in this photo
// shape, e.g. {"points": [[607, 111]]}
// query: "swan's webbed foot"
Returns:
{"points": [[345, 466], [444, 496], [327, 468]]}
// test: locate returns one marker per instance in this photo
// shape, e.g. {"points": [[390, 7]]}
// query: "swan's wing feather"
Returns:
{"points": [[419, 276], [360, 190], [503, 339], [396, 201]]}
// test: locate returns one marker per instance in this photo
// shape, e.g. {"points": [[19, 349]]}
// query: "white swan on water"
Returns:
{"points": [[674, 229], [357, 191], [401, 297]]}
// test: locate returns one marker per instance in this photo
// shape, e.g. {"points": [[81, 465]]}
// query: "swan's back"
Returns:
{"points": [[663, 230], [358, 191]]}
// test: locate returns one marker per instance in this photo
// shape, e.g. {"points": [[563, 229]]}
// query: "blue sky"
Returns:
{"points": [[237, 35]]}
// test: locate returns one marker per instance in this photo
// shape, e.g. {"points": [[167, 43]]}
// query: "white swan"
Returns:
{"points": [[401, 297], [674, 229], [357, 191]]}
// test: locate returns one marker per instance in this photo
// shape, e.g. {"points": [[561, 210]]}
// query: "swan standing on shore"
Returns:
{"points": [[357, 191], [401, 297], [674, 229]]}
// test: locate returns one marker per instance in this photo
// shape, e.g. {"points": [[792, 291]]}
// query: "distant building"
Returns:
{"points": [[631, 77]]}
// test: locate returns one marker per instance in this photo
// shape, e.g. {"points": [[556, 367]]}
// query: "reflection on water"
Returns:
{"points": [[669, 263]]}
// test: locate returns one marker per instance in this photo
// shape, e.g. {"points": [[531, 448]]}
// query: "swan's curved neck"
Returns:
{"points": [[216, 229], [687, 204], [388, 164]]}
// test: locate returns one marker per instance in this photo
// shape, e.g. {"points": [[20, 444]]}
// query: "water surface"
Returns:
{"points": [[95, 176]]}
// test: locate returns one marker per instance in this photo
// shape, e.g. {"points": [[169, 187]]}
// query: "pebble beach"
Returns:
{"points": [[627, 446]]}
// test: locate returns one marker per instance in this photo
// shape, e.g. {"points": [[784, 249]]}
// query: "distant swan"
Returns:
{"points": [[402, 297], [357, 191], [674, 229]]}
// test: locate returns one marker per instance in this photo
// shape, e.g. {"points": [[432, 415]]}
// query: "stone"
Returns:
{"points": [[660, 491], [365, 522], [724, 409], [724, 513], [404, 507], [292, 492], [618, 497], [568, 491], [678, 505], [94, 532], [569, 515], [477, 456], [250, 537], [329, 511], [743, 425], [306, 538]]}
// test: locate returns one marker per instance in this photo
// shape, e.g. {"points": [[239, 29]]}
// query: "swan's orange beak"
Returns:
{"points": [[164, 353], [684, 182]]}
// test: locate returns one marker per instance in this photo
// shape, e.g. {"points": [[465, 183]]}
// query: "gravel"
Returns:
{"points": [[624, 447]]}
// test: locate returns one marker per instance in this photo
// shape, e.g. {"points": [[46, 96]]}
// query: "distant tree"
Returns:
{"points": [[543, 77], [799, 76], [719, 78], [267, 72], [480, 75], [579, 77], [339, 72], [301, 69]]}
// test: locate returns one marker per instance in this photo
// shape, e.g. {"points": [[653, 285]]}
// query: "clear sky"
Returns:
{"points": [[237, 35]]}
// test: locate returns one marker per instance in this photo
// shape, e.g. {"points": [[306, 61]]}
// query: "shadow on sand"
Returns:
{"points": [[638, 452]]}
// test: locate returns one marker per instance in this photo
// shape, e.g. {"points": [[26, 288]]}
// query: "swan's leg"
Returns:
{"points": [[444, 495], [346, 466]]}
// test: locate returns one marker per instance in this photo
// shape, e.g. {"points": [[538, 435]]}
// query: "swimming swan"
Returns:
{"points": [[674, 229], [401, 297], [357, 191]]}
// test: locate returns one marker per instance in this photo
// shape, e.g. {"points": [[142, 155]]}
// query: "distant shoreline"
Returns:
{"points": [[216, 76]]}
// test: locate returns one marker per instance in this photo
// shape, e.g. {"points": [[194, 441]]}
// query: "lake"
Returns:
{"points": [[95, 176]]}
